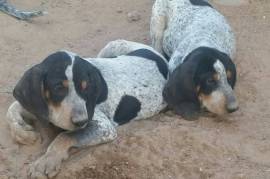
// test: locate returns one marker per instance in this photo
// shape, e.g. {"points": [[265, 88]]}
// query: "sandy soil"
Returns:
{"points": [[166, 146]]}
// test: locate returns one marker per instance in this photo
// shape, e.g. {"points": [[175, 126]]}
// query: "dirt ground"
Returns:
{"points": [[166, 146]]}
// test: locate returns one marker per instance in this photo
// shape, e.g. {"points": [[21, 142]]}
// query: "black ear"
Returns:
{"points": [[100, 86], [180, 90], [28, 92], [96, 91], [188, 110]]}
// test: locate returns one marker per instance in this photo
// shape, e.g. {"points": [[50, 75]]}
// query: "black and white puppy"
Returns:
{"points": [[87, 98], [200, 45]]}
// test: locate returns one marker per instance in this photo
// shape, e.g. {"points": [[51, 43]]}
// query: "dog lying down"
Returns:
{"points": [[200, 44], [87, 97]]}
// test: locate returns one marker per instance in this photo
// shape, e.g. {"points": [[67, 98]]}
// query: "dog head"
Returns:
{"points": [[63, 89], [206, 78]]}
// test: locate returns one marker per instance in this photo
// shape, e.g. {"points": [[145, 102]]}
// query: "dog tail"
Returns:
{"points": [[22, 15], [121, 47]]}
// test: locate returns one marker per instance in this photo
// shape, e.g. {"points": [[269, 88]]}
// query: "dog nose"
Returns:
{"points": [[80, 123], [232, 104], [232, 107], [231, 110]]}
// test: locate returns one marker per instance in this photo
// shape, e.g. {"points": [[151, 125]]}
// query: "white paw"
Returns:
{"points": [[46, 166], [24, 134]]}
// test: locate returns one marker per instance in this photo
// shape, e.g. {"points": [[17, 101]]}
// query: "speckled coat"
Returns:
{"points": [[184, 25], [124, 83], [133, 76]]}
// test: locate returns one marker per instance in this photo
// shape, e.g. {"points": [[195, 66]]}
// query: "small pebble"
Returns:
{"points": [[133, 16], [119, 11]]}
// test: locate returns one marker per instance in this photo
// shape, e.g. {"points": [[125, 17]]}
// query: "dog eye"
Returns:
{"points": [[210, 81], [59, 87]]}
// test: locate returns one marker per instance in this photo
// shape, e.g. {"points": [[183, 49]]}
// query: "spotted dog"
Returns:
{"points": [[87, 98], [22, 15], [200, 46]]}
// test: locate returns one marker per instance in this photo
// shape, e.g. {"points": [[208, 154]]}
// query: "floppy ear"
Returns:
{"points": [[97, 89], [28, 92], [180, 90], [100, 87]]}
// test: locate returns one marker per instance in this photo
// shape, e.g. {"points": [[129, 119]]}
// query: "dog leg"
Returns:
{"points": [[158, 25], [21, 131], [120, 47], [98, 131], [22, 15]]}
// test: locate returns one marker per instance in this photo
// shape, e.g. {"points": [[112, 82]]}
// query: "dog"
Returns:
{"points": [[22, 15], [87, 98], [200, 45]]}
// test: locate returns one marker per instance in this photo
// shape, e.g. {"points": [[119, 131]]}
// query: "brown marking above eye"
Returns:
{"points": [[229, 74], [83, 85], [65, 83], [216, 77]]}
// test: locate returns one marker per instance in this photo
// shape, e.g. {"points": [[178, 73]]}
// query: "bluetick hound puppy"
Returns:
{"points": [[22, 15], [86, 97], [200, 45]]}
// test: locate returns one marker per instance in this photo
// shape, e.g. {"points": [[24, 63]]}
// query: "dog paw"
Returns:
{"points": [[24, 134], [46, 166]]}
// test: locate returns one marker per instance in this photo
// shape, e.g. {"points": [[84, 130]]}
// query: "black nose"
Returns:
{"points": [[231, 110], [80, 123]]}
